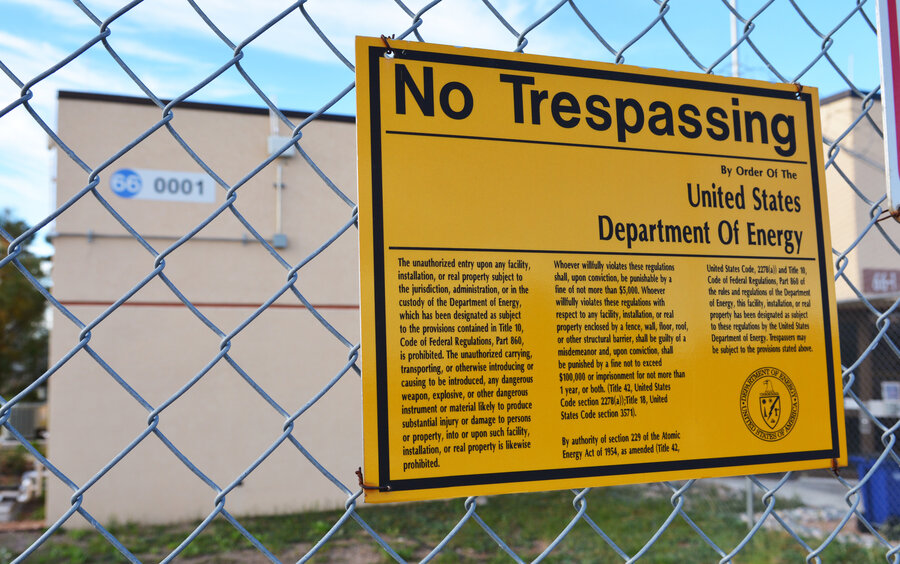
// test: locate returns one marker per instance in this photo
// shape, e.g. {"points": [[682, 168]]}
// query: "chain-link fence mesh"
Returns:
{"points": [[778, 40]]}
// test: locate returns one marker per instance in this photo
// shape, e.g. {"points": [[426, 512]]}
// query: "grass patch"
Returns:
{"points": [[528, 523]]}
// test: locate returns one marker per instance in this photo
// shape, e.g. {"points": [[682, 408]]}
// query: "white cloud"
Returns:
{"points": [[127, 47], [62, 13], [24, 169], [456, 22]]}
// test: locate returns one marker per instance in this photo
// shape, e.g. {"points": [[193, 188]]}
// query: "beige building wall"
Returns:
{"points": [[861, 159], [157, 346]]}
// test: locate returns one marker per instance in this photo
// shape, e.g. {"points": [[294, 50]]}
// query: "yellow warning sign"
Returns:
{"points": [[578, 274]]}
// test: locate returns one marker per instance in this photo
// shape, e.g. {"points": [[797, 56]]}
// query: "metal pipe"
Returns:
{"points": [[279, 186], [91, 235], [735, 61]]}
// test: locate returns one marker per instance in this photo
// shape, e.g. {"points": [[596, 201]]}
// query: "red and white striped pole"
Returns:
{"points": [[889, 55]]}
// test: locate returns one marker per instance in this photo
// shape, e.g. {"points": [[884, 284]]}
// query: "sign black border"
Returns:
{"points": [[377, 52]]}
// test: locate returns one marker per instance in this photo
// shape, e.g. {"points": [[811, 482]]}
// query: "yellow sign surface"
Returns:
{"points": [[578, 274]]}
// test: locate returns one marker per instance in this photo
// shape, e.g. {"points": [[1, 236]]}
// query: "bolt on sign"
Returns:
{"points": [[580, 274]]}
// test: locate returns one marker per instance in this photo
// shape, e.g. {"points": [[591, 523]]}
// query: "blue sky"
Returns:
{"points": [[170, 48]]}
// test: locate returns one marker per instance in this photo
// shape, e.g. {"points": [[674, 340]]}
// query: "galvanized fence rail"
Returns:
{"points": [[821, 24]]}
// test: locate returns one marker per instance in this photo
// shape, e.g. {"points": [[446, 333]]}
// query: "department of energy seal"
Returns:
{"points": [[769, 404]]}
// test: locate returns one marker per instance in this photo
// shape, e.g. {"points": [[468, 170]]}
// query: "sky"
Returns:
{"points": [[171, 49]]}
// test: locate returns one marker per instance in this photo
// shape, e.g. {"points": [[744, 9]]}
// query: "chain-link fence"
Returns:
{"points": [[153, 358]]}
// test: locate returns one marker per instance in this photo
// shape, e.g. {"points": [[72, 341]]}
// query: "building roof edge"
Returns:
{"points": [[844, 94], [137, 100]]}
